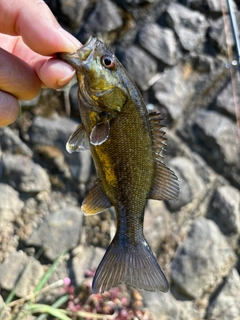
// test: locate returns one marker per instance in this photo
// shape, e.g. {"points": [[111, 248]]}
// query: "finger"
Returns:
{"points": [[17, 77], [9, 108], [33, 20]]}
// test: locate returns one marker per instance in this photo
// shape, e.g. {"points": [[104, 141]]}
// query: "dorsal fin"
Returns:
{"points": [[165, 183], [78, 141], [96, 201]]}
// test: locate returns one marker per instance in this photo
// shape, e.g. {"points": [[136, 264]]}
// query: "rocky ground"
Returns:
{"points": [[178, 54]]}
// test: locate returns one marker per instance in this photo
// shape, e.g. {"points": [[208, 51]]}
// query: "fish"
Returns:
{"points": [[126, 144]]}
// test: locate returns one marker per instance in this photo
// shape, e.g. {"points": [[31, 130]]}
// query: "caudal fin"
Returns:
{"points": [[133, 264]]}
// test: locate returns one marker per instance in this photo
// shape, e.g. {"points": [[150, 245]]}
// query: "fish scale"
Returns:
{"points": [[126, 144]]}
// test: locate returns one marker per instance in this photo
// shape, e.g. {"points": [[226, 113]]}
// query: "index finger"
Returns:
{"points": [[35, 23]]}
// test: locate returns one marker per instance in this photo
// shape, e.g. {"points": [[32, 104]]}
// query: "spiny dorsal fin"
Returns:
{"points": [[78, 141], [96, 201], [100, 133], [165, 184], [159, 141]]}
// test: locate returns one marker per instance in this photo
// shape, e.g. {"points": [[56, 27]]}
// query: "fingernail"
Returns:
{"points": [[71, 42], [69, 74]]}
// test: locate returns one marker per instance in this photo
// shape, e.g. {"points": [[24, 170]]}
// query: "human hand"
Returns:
{"points": [[29, 38]]}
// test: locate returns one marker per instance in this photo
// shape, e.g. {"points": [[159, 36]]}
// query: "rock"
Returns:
{"points": [[10, 204], [219, 32], [215, 137], [20, 272], [139, 64], [226, 206], [56, 132], [225, 303], [156, 223], [207, 6], [11, 143], [5, 314], [60, 231], [196, 267], [97, 22], [85, 258], [189, 25], [73, 12], [24, 175], [160, 42], [190, 183], [225, 101], [171, 90]]}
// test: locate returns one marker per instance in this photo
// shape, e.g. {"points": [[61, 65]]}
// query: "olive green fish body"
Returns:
{"points": [[125, 143]]}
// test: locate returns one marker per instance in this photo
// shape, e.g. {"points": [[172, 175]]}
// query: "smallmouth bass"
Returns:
{"points": [[126, 144]]}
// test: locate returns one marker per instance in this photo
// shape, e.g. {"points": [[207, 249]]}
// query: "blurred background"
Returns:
{"points": [[182, 55]]}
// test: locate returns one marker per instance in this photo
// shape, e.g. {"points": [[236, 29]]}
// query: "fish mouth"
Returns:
{"points": [[78, 58]]}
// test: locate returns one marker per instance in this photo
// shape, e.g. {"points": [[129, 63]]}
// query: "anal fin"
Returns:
{"points": [[96, 201]]}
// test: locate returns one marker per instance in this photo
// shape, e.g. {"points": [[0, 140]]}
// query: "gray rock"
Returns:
{"points": [[5, 314], [24, 175], [97, 22], [165, 306], [201, 260], [139, 64], [171, 90], [189, 181], [20, 272], [219, 32], [225, 305], [11, 143], [56, 132], [156, 223], [225, 101], [85, 258], [160, 42], [216, 138], [189, 25], [226, 206], [208, 6], [60, 231], [74, 10], [10, 204]]}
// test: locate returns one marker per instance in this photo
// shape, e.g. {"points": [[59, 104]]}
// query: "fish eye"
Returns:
{"points": [[108, 62]]}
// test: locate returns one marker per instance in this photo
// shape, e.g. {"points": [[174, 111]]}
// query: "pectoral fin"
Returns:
{"points": [[100, 133], [78, 141], [96, 201]]}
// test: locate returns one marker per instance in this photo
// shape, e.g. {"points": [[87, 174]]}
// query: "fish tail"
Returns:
{"points": [[133, 264]]}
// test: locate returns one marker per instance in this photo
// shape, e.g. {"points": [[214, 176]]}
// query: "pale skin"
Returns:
{"points": [[29, 38]]}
